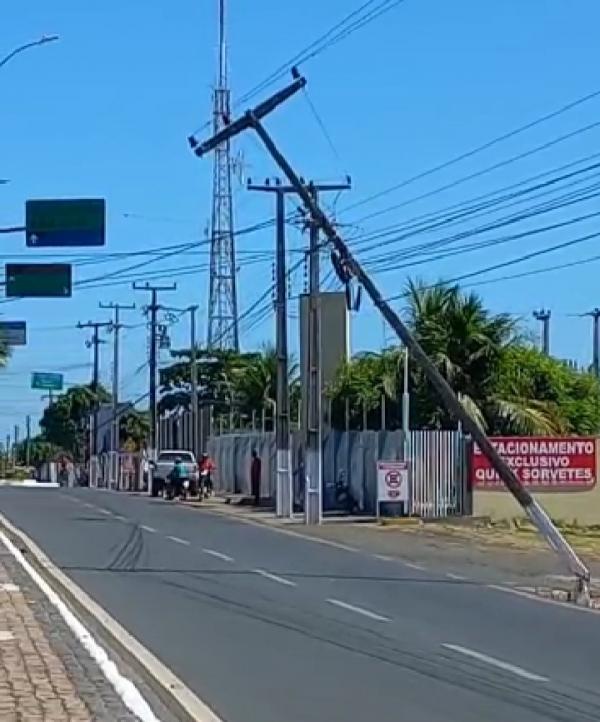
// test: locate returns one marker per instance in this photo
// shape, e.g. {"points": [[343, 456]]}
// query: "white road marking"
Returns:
{"points": [[419, 567], [89, 506], [150, 529], [518, 671], [383, 558], [105, 511], [124, 687], [218, 555], [458, 577], [358, 610], [178, 540], [9, 587], [119, 517], [6, 636], [275, 578]]}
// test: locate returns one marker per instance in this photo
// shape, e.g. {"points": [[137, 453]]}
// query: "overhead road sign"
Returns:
{"points": [[38, 280], [47, 381], [65, 222], [13, 333]]}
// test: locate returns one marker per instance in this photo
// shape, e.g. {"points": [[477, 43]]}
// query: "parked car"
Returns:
{"points": [[164, 464]]}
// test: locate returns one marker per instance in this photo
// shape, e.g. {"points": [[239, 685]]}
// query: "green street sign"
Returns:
{"points": [[65, 222], [47, 381], [38, 280]]}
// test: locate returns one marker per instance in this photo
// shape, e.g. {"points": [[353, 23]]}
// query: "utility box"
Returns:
{"points": [[335, 342]]}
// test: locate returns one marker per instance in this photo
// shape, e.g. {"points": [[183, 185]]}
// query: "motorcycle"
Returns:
{"points": [[344, 498], [206, 485]]}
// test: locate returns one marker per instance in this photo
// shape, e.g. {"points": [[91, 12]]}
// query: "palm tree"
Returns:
{"points": [[4, 354], [466, 342]]}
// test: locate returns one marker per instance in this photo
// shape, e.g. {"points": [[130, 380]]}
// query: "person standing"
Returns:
{"points": [[255, 474]]}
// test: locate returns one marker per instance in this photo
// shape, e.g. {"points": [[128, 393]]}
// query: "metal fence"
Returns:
{"points": [[438, 467]]}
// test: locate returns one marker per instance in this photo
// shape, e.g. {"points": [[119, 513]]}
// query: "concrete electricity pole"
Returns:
{"points": [[153, 309], [95, 345], [348, 270], [27, 440], [595, 314], [194, 410], [283, 491], [313, 498], [116, 328], [544, 316]]}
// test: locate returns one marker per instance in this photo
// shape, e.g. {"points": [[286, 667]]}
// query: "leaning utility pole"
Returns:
{"points": [[544, 316], [222, 301], [95, 344], [153, 309], [116, 328], [347, 269]]}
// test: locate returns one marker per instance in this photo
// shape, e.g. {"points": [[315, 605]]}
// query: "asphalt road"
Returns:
{"points": [[269, 627]]}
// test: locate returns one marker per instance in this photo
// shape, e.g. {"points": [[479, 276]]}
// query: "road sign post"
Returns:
{"points": [[65, 222], [392, 483], [13, 333], [47, 381], [38, 280]]}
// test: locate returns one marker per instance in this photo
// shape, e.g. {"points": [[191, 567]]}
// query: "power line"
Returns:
{"points": [[478, 149], [510, 262]]}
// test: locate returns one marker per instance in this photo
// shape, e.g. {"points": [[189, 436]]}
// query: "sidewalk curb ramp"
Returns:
{"points": [[171, 691]]}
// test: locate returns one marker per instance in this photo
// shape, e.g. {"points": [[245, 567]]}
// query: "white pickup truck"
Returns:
{"points": [[164, 464]]}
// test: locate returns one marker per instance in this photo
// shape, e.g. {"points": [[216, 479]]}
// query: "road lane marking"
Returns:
{"points": [[218, 555], [419, 567], [178, 540], [275, 578], [105, 511], [519, 671], [123, 686], [358, 610], [150, 529], [89, 506], [6, 636], [9, 587], [384, 557], [119, 517], [458, 577]]}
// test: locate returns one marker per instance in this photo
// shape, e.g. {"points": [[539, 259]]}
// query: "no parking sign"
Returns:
{"points": [[392, 481]]}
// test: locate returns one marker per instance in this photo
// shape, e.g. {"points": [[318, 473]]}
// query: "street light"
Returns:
{"points": [[42, 41]]}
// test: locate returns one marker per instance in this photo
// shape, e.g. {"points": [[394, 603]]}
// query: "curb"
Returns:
{"points": [[171, 691]]}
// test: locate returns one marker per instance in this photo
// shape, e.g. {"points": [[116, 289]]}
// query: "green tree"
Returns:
{"points": [[65, 422]]}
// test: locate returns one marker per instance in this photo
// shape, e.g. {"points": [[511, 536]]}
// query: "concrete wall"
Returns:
{"points": [[569, 505]]}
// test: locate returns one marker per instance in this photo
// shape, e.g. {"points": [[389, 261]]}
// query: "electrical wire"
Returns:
{"points": [[479, 173], [510, 262], [479, 149]]}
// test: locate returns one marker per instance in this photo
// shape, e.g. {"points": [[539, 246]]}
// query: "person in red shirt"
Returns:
{"points": [[206, 468]]}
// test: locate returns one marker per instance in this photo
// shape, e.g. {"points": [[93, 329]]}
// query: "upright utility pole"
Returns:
{"points": [[116, 328], [153, 309], [313, 498], [595, 314], [95, 344], [27, 440], [283, 491], [194, 409], [544, 317], [222, 302]]}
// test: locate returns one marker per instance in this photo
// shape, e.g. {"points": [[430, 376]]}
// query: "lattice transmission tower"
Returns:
{"points": [[222, 331]]}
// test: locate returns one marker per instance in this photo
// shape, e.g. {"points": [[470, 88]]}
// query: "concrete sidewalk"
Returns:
{"points": [[45, 673]]}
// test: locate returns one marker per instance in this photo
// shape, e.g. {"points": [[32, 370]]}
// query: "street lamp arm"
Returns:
{"points": [[42, 41]]}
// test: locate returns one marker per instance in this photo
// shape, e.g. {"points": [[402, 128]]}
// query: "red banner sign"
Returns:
{"points": [[542, 463]]}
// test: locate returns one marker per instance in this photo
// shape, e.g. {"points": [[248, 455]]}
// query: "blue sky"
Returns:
{"points": [[106, 112]]}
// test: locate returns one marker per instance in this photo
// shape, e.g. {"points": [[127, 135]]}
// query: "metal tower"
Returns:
{"points": [[222, 301]]}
